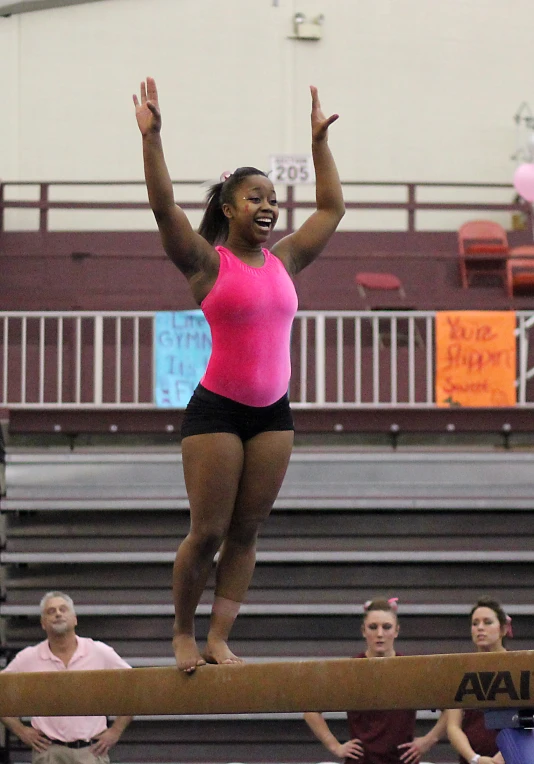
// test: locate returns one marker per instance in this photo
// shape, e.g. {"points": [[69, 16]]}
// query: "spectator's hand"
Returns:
{"points": [[147, 112], [319, 123], [34, 739], [105, 741], [419, 744], [410, 753], [352, 749]]}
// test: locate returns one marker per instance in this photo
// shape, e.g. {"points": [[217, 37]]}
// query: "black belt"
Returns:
{"points": [[73, 743]]}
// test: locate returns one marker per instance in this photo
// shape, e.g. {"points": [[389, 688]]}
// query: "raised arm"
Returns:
{"points": [[188, 251], [352, 749], [300, 248]]}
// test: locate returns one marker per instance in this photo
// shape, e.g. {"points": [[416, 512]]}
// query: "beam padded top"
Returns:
{"points": [[464, 680]]}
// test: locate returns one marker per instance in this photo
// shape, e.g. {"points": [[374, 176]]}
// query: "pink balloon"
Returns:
{"points": [[524, 181]]}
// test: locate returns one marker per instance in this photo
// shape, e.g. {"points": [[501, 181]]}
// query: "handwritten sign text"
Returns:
{"points": [[475, 358], [182, 345]]}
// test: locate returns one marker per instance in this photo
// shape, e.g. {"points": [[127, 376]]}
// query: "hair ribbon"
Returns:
{"points": [[509, 631]]}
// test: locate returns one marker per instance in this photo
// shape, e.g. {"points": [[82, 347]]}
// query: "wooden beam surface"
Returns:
{"points": [[465, 680]]}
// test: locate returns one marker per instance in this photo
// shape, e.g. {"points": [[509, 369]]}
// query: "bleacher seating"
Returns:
{"points": [[435, 529]]}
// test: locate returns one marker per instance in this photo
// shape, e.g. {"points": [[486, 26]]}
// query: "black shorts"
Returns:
{"points": [[209, 412]]}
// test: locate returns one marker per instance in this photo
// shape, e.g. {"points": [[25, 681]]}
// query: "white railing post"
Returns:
{"points": [[393, 361], [527, 324], [411, 360], [136, 360], [5, 360], [98, 360], [375, 322], [42, 348], [78, 361], [523, 347], [23, 359], [340, 374], [59, 364], [358, 360], [430, 322], [320, 359], [303, 359], [118, 358]]}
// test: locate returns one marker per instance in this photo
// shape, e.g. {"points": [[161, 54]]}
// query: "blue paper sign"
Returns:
{"points": [[182, 347]]}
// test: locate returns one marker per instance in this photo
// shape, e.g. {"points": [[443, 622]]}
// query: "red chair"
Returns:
{"points": [[520, 269], [482, 249], [370, 281], [383, 282]]}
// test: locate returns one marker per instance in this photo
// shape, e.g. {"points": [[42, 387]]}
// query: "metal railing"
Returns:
{"points": [[340, 359], [68, 198]]}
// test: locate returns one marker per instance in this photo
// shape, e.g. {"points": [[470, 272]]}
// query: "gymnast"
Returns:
{"points": [[466, 728], [237, 432], [378, 737]]}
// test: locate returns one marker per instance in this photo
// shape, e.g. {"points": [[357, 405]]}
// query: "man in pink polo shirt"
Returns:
{"points": [[66, 739]]}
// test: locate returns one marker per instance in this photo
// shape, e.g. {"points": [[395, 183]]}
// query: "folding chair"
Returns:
{"points": [[482, 249]]}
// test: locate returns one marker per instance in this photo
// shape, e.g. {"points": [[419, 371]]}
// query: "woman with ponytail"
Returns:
{"points": [[466, 729], [237, 432], [378, 737]]}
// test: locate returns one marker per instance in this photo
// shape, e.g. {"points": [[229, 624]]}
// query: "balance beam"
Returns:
{"points": [[463, 680]]}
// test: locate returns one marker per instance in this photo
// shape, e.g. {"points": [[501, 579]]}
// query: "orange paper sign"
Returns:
{"points": [[475, 358]]}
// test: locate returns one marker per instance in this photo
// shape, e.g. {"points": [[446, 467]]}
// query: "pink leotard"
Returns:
{"points": [[250, 312]]}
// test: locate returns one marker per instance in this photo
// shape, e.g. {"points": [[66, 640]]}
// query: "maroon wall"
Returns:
{"points": [[129, 271]]}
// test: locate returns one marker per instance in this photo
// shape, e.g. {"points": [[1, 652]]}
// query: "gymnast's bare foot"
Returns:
{"points": [[186, 653], [217, 651]]}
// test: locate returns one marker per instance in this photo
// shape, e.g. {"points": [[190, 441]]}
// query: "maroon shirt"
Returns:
{"points": [[380, 733], [481, 740]]}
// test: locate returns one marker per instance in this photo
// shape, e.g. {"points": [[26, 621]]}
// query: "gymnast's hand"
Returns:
{"points": [[35, 739], [352, 749], [319, 123], [147, 112]]}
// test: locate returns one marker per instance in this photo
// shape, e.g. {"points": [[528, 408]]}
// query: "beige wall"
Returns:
{"points": [[9, 121], [426, 89]]}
